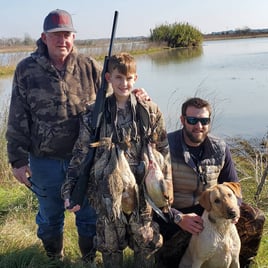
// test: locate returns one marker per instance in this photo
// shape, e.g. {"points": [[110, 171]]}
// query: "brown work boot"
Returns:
{"points": [[87, 247], [54, 247]]}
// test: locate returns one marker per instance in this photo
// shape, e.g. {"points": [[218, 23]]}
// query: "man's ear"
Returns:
{"points": [[182, 120], [44, 38], [107, 76]]}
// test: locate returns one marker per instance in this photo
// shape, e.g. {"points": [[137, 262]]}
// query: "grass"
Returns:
{"points": [[19, 245], [6, 70], [20, 248]]}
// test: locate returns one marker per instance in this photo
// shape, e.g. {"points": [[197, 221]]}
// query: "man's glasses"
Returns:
{"points": [[194, 120], [36, 189]]}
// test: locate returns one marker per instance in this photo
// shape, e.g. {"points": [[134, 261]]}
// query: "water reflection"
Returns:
{"points": [[231, 74], [5, 93], [178, 55], [12, 58], [100, 50]]}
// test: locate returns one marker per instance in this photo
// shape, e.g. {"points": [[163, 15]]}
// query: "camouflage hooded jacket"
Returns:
{"points": [[45, 106], [129, 135]]}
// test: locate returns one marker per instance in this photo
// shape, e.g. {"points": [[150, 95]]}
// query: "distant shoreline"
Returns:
{"points": [[95, 42], [102, 43], [209, 37]]}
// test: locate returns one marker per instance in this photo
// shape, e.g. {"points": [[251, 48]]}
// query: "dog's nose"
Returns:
{"points": [[231, 213]]}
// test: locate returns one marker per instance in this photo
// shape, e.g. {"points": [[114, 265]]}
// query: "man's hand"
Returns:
{"points": [[67, 204], [191, 223], [22, 174], [141, 94]]}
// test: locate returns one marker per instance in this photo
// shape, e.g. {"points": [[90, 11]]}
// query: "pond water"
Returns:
{"points": [[231, 74]]}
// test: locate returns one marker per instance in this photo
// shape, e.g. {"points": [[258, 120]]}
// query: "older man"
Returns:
{"points": [[51, 88]]}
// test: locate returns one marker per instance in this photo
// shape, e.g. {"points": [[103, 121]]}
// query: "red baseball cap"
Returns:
{"points": [[58, 21]]}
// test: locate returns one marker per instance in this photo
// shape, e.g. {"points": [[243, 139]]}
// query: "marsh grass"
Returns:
{"points": [[6, 70], [19, 245], [9, 59]]}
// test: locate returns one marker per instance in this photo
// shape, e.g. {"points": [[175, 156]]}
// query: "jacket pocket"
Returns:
{"points": [[55, 139]]}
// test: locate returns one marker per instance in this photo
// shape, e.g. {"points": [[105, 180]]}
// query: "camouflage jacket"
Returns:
{"points": [[45, 106], [130, 133]]}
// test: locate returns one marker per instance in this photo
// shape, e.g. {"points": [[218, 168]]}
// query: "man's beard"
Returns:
{"points": [[195, 139]]}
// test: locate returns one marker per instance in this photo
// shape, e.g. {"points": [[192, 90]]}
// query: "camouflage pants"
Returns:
{"points": [[142, 235], [249, 226], [170, 254]]}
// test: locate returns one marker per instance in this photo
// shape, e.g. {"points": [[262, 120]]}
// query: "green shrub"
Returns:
{"points": [[177, 35]]}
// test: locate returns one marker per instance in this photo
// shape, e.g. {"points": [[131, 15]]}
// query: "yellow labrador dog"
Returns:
{"points": [[218, 245]]}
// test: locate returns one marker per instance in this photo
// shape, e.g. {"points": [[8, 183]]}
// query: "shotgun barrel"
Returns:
{"points": [[80, 188]]}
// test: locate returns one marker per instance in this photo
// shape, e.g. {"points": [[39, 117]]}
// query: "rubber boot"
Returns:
{"points": [[87, 247], [54, 247], [142, 259], [113, 260], [245, 263]]}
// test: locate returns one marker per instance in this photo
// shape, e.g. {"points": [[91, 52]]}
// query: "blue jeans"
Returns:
{"points": [[47, 177]]}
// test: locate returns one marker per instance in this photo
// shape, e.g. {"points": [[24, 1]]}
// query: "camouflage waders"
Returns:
{"points": [[87, 246], [170, 254], [250, 228], [54, 247], [142, 236]]}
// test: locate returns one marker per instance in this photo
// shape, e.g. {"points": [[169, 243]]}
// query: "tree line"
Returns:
{"points": [[174, 35]]}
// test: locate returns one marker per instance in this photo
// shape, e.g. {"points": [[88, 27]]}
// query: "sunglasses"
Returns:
{"points": [[194, 120], [37, 188]]}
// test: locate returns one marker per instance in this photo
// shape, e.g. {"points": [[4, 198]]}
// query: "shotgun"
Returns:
{"points": [[79, 191]]}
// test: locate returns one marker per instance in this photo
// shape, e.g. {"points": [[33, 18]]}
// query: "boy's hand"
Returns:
{"points": [[67, 205], [66, 190]]}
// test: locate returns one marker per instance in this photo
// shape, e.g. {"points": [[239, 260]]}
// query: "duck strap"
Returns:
{"points": [[156, 209], [148, 131]]}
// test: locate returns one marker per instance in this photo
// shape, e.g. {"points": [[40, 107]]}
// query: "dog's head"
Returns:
{"points": [[222, 200]]}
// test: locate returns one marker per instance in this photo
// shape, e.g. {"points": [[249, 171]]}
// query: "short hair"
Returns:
{"points": [[197, 103], [123, 62]]}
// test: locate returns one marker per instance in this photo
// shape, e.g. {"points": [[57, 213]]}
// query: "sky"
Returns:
{"points": [[93, 19]]}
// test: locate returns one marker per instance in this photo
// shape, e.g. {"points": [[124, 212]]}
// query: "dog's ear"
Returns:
{"points": [[204, 200], [235, 187]]}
